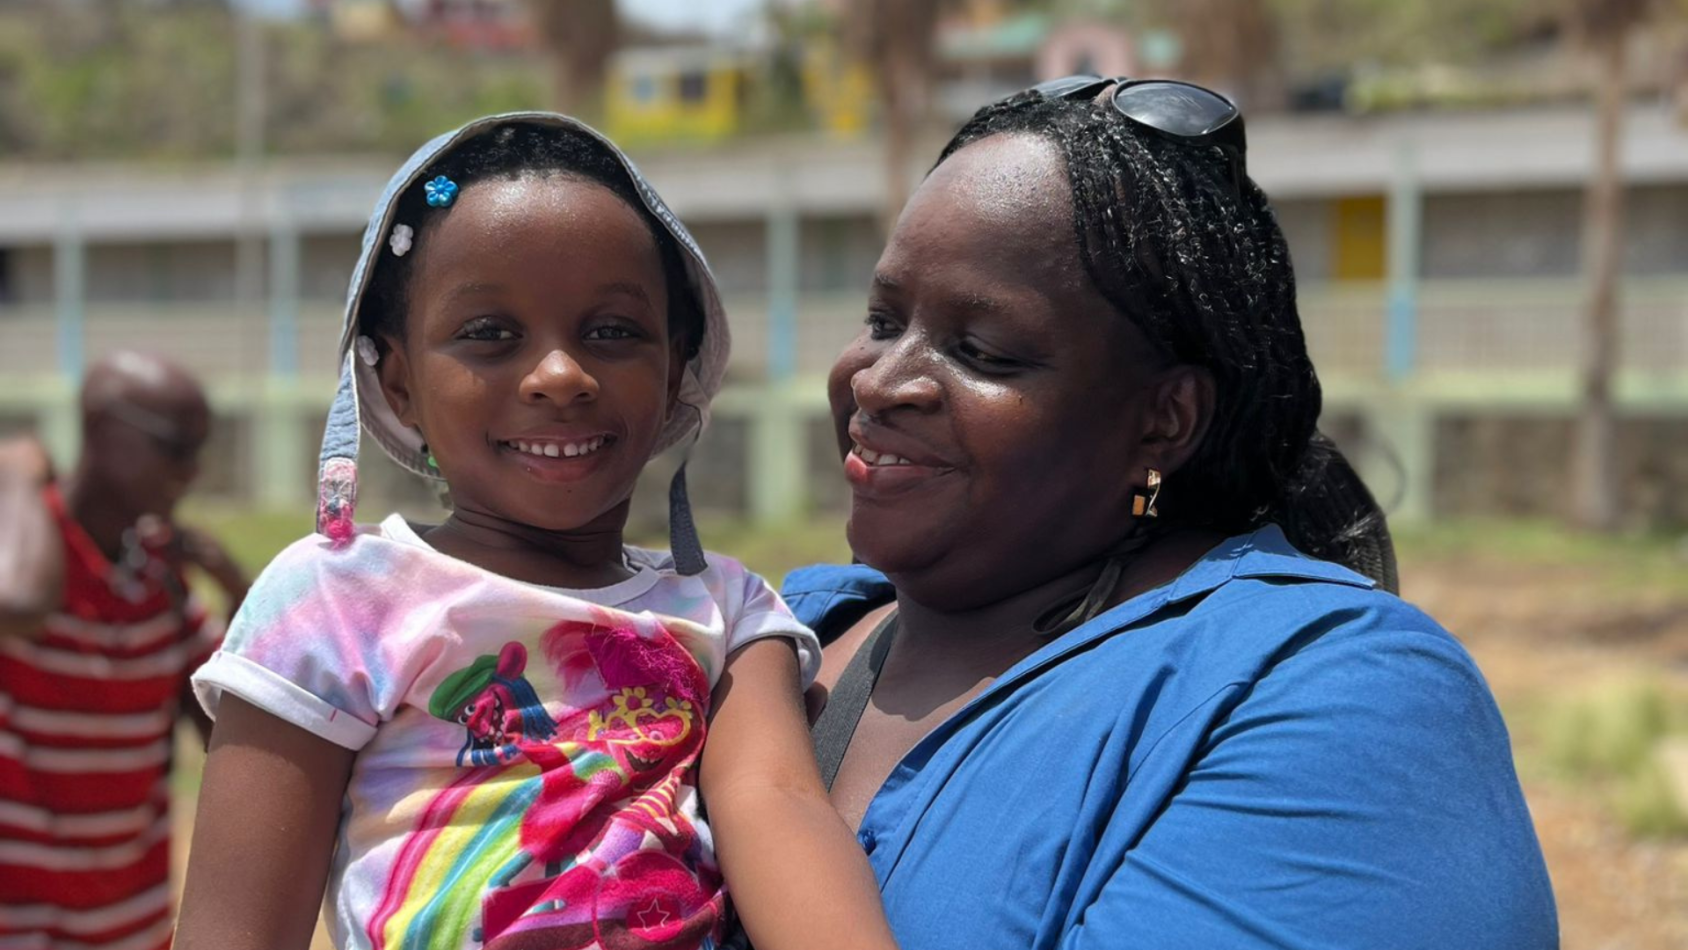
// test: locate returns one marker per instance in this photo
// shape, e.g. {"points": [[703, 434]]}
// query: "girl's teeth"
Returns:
{"points": [[558, 449]]}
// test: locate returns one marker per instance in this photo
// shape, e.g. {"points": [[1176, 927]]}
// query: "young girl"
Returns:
{"points": [[484, 733]]}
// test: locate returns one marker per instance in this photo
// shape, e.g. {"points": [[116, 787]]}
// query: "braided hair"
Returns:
{"points": [[511, 153], [1203, 271]]}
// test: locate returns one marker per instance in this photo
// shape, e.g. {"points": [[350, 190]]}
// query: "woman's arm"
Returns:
{"points": [[794, 871], [263, 835]]}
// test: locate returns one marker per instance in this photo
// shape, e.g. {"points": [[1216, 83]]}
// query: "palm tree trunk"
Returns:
{"points": [[1596, 444], [902, 99]]}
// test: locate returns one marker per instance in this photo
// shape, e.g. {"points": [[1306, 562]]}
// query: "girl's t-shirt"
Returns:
{"points": [[526, 755]]}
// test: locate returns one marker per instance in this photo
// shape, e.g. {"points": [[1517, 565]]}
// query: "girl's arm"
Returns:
{"points": [[268, 811], [794, 871]]}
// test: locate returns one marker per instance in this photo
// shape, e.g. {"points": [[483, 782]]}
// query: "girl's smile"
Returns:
{"points": [[560, 456], [536, 361]]}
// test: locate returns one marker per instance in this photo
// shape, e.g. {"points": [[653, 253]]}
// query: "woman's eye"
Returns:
{"points": [[486, 330], [611, 331], [984, 360], [880, 327]]}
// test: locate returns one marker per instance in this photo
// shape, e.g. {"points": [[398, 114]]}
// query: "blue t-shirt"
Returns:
{"points": [[1266, 752]]}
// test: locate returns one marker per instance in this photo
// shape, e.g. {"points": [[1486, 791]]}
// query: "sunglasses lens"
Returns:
{"points": [[1069, 87], [1175, 108]]}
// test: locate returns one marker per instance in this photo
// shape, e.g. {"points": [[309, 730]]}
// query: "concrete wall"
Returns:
{"points": [[1519, 234]]}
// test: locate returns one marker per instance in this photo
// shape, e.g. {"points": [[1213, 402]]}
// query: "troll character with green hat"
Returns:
{"points": [[496, 704]]}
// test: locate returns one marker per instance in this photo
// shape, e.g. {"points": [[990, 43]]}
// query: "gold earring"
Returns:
{"points": [[1143, 506]]}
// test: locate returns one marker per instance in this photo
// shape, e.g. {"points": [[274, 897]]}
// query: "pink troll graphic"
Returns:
{"points": [[496, 704], [574, 831]]}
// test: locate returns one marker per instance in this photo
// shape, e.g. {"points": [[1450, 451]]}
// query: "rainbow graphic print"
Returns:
{"points": [[568, 828]]}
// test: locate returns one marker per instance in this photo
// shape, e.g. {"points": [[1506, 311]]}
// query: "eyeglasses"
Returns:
{"points": [[1181, 111], [164, 434]]}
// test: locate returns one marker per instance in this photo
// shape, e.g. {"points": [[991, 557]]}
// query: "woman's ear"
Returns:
{"points": [[394, 373], [1180, 410]]}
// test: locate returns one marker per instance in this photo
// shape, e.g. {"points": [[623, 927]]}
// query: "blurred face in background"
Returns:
{"points": [[144, 450]]}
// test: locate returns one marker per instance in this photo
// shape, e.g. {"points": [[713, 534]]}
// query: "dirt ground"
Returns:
{"points": [[1536, 631]]}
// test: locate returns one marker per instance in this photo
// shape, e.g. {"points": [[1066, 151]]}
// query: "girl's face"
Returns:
{"points": [[493, 715], [536, 361]]}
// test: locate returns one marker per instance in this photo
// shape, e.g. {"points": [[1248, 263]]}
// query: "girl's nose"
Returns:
{"points": [[559, 378]]}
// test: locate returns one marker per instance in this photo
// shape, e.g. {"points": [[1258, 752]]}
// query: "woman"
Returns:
{"points": [[1115, 704]]}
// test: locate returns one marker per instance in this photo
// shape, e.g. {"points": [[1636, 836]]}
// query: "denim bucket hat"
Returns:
{"points": [[359, 404]]}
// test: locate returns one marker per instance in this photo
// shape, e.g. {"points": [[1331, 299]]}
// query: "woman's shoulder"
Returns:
{"points": [[827, 597], [1256, 609]]}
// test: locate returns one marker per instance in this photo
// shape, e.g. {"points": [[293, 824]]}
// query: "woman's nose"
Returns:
{"points": [[559, 378], [901, 376]]}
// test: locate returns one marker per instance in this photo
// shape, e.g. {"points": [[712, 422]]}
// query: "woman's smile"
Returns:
{"points": [[884, 463]]}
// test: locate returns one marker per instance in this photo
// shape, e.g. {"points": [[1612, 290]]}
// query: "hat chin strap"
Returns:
{"points": [[683, 541], [337, 470]]}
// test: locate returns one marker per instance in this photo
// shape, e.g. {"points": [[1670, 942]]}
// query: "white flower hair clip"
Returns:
{"points": [[403, 235], [367, 351]]}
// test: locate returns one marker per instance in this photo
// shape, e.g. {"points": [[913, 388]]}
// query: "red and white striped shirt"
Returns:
{"points": [[86, 718]]}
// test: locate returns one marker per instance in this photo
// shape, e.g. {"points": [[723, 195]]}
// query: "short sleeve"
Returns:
{"points": [[1360, 794], [761, 613], [303, 646]]}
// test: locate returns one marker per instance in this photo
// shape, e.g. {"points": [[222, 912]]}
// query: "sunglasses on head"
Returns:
{"points": [[1180, 111]]}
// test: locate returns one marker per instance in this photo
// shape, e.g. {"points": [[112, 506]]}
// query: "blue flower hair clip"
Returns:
{"points": [[442, 191]]}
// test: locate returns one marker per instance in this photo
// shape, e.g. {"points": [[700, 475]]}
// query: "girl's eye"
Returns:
{"points": [[611, 331], [880, 326], [485, 329]]}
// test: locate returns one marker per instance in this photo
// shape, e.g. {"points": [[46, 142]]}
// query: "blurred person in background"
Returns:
{"points": [[98, 635], [1102, 677]]}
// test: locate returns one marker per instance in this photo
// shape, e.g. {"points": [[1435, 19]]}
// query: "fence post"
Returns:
{"points": [[61, 427], [777, 491], [1402, 421], [279, 427]]}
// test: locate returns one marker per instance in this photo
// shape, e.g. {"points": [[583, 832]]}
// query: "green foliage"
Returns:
{"points": [[163, 84], [1611, 738], [1327, 34], [1652, 562], [1647, 804]]}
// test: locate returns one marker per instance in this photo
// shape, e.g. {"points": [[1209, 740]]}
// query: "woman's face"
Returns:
{"points": [[996, 413]]}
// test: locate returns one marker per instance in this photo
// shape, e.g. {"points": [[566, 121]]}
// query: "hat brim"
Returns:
{"points": [[704, 372]]}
